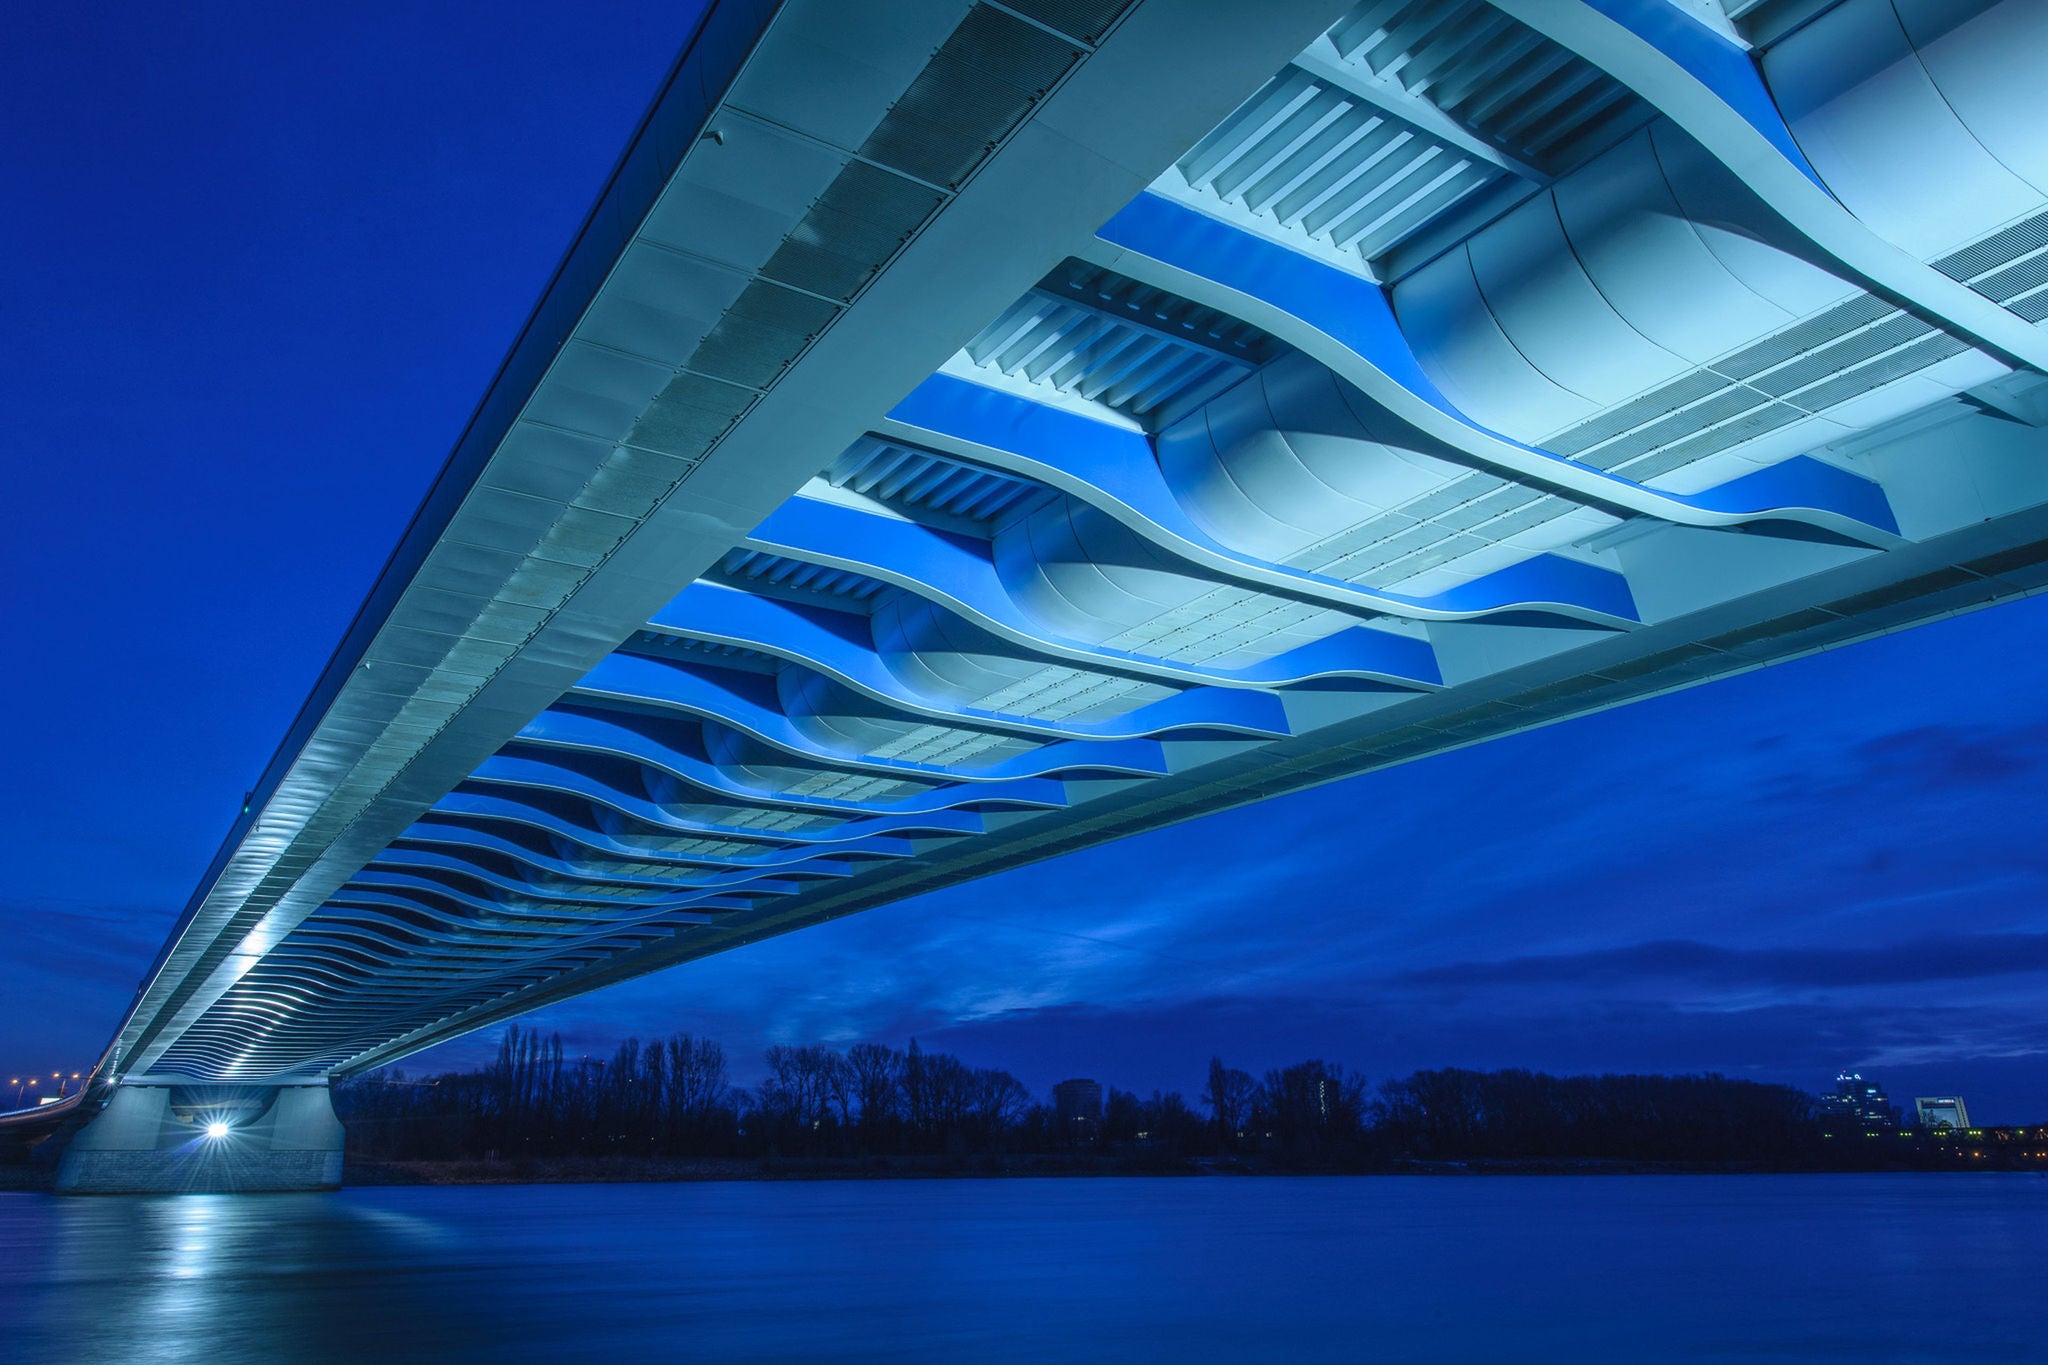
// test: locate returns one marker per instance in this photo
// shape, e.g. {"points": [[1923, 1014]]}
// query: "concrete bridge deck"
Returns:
{"points": [[965, 431]]}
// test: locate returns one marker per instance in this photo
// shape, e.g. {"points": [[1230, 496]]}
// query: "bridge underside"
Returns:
{"points": [[971, 432]]}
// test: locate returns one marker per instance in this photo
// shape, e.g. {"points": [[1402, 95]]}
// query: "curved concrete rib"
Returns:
{"points": [[408, 912], [840, 646], [417, 964], [390, 915], [420, 895], [461, 836], [397, 905], [348, 1001], [1346, 323], [425, 862], [956, 573], [469, 807], [405, 962], [336, 916], [407, 890], [495, 949], [467, 879], [1709, 87], [325, 967], [556, 729], [503, 770], [342, 919], [589, 896], [383, 911], [410, 889], [554, 872], [496, 944], [722, 695], [420, 957], [1116, 470]]}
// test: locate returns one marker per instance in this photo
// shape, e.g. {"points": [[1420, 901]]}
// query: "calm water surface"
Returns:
{"points": [[1498, 1269]]}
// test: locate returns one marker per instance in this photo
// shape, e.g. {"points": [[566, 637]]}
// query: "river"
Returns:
{"points": [[1614, 1268]]}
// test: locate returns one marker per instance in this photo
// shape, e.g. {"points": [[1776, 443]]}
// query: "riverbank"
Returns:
{"points": [[614, 1170]]}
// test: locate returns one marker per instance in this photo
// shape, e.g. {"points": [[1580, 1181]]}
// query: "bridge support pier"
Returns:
{"points": [[161, 1139]]}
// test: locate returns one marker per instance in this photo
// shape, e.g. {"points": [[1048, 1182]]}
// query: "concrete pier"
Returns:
{"points": [[159, 1139]]}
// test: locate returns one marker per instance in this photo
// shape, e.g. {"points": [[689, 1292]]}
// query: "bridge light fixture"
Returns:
{"points": [[216, 1130]]}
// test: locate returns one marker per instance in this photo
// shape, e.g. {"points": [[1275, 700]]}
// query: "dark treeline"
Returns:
{"points": [[674, 1098]]}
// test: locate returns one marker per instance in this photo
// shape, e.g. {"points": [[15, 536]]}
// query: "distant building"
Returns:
{"points": [[1077, 1109], [1938, 1112], [1858, 1105]]}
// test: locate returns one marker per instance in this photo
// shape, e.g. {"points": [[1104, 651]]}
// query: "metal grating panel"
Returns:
{"points": [[1093, 334], [919, 481], [766, 328], [1494, 75], [688, 415], [753, 566], [661, 645], [1840, 353], [982, 81], [1086, 20], [855, 226], [1319, 160]]}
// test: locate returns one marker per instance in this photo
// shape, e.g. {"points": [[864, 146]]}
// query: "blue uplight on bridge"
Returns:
{"points": [[856, 518]]}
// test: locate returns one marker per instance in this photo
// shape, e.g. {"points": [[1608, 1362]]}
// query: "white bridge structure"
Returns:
{"points": [[966, 431]]}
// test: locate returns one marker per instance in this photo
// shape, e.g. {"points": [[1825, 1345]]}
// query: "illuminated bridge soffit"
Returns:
{"points": [[965, 432]]}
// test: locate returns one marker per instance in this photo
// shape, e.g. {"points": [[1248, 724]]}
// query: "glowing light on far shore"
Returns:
{"points": [[216, 1129]]}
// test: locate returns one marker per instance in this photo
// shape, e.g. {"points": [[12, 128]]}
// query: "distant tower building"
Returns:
{"points": [[1937, 1112], [1077, 1110], [1858, 1105]]}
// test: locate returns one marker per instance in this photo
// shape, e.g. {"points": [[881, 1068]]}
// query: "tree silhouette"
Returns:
{"points": [[673, 1098]]}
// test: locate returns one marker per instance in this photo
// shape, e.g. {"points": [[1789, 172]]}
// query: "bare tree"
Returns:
{"points": [[675, 1097], [799, 1085], [1229, 1096], [915, 1084], [841, 1101], [698, 1086], [873, 1074], [949, 1089], [1314, 1107], [996, 1105]]}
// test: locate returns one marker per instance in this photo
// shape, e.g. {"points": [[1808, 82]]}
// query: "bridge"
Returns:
{"points": [[964, 432]]}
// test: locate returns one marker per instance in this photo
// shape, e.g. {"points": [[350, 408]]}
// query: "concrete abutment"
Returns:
{"points": [[163, 1139]]}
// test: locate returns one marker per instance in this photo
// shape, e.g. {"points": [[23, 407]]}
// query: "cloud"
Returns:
{"points": [[1167, 1044], [98, 946], [68, 973], [1952, 755], [1955, 958]]}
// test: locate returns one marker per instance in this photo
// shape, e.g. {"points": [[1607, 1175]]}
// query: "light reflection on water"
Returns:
{"points": [[1644, 1268]]}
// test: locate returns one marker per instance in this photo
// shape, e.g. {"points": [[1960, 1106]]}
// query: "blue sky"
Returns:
{"points": [[261, 269]]}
